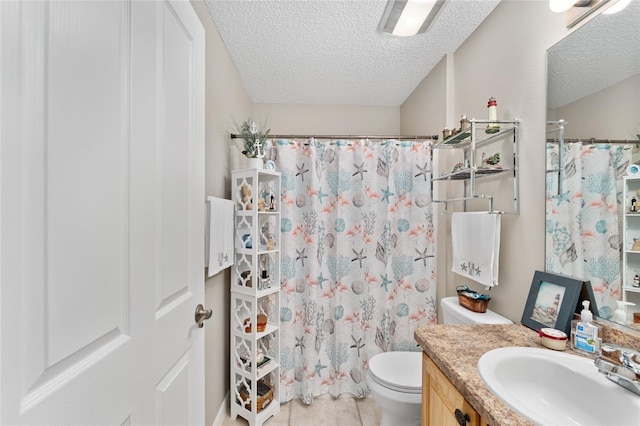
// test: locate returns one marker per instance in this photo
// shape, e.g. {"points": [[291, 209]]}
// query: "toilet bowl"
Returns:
{"points": [[395, 378], [395, 381]]}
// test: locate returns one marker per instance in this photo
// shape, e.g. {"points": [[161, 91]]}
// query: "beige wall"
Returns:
{"points": [[226, 99], [612, 113], [328, 119], [423, 112], [505, 58]]}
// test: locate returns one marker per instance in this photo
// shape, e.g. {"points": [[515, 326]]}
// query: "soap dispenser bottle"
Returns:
{"points": [[620, 315], [585, 335]]}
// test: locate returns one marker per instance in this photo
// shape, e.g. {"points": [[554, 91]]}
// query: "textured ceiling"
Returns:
{"points": [[329, 52], [603, 52]]}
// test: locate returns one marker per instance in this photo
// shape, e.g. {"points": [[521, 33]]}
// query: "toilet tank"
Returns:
{"points": [[453, 313]]}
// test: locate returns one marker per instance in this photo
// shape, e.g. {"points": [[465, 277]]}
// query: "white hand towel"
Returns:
{"points": [[475, 242], [219, 234]]}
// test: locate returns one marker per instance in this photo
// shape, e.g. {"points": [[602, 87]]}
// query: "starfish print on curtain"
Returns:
{"points": [[358, 264]]}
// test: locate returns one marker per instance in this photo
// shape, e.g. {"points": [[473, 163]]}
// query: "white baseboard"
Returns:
{"points": [[222, 412]]}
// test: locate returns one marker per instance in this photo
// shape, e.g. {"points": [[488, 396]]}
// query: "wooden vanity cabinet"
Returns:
{"points": [[442, 403]]}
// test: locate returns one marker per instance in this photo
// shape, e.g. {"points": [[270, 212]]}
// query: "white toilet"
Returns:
{"points": [[395, 378]]}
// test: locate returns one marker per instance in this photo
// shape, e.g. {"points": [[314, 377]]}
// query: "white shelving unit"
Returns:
{"points": [[504, 138], [255, 296], [631, 257]]}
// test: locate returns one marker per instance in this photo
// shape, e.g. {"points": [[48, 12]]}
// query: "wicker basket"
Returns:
{"points": [[265, 396], [475, 305]]}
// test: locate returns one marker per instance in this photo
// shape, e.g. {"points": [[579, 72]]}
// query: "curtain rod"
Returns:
{"points": [[594, 141], [382, 137]]}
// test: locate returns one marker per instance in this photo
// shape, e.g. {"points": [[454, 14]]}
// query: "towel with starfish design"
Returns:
{"points": [[475, 243], [219, 235]]}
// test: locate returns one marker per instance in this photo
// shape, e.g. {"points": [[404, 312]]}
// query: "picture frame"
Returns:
{"points": [[552, 301]]}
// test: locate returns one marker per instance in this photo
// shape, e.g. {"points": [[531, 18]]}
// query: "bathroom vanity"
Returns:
{"points": [[450, 376], [442, 403], [454, 393]]}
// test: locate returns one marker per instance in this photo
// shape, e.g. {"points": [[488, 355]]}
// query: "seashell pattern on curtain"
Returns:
{"points": [[583, 224], [357, 265]]}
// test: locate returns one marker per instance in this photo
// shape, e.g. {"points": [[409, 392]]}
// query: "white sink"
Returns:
{"points": [[556, 388]]}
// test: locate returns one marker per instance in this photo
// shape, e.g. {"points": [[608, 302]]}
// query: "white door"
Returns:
{"points": [[101, 213]]}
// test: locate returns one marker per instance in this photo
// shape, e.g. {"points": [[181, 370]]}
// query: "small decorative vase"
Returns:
{"points": [[255, 163]]}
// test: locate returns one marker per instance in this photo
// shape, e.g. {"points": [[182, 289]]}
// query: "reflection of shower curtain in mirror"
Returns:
{"points": [[358, 265], [583, 222]]}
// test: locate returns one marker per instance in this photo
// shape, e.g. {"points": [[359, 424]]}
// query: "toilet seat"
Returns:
{"points": [[398, 371]]}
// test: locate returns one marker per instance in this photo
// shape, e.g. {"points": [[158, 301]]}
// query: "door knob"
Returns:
{"points": [[202, 315]]}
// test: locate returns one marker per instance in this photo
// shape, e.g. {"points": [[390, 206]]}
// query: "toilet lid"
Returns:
{"points": [[400, 371]]}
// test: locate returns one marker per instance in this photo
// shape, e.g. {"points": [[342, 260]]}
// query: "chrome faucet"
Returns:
{"points": [[621, 365]]}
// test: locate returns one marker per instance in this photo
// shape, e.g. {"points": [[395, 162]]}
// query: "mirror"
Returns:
{"points": [[593, 84]]}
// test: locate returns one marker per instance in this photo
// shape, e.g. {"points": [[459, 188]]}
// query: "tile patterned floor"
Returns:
{"points": [[325, 411]]}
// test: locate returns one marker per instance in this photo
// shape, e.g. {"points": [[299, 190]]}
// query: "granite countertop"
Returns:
{"points": [[456, 349]]}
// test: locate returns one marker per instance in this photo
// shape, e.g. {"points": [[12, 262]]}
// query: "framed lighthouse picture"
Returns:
{"points": [[552, 301]]}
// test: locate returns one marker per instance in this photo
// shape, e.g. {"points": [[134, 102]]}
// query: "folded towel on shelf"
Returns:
{"points": [[219, 237], [475, 242]]}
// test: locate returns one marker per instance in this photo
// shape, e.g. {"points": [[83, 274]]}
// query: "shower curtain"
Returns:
{"points": [[583, 223], [358, 268]]}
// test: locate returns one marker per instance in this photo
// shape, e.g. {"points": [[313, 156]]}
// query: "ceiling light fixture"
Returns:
{"points": [[560, 6], [616, 7], [576, 11], [406, 18]]}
